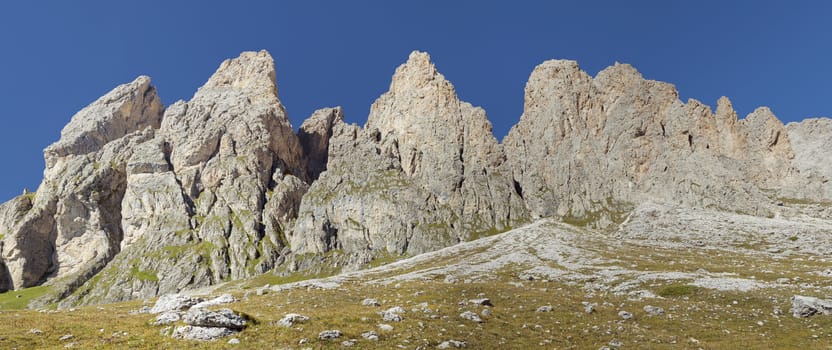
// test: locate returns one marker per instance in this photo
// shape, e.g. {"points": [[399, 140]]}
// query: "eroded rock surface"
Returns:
{"points": [[425, 172], [71, 227], [588, 148], [811, 141], [209, 198]]}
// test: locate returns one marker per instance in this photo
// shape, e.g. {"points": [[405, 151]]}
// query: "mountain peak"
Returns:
{"points": [[125, 109], [417, 73], [252, 71]]}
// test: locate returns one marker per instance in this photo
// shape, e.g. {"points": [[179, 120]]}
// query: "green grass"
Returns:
{"points": [[714, 320], [19, 299], [676, 290], [143, 275]]}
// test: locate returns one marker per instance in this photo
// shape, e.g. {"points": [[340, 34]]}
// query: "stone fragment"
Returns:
{"points": [[225, 318], [805, 306], [201, 333], [451, 344], [289, 320], [329, 335], [654, 310], [174, 302], [545, 308], [370, 302], [222, 299], [470, 316]]}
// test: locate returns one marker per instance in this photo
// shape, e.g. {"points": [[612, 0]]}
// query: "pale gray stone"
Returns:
{"points": [[470, 316], [289, 320], [222, 299], [370, 302], [174, 302], [545, 308], [451, 344], [330, 334], [654, 310], [167, 317], [370, 335], [805, 306], [201, 333], [224, 318]]}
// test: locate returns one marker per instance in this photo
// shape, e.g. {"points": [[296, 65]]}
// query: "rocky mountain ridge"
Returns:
{"points": [[140, 200]]}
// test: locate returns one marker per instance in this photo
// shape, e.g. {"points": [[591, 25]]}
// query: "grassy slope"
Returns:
{"points": [[695, 317], [712, 318]]}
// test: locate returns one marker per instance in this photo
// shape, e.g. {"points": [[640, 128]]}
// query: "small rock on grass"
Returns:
{"points": [[653, 310], [330, 334], [450, 344], [222, 299], [625, 315], [371, 335], [470, 316], [546, 308], [481, 301], [167, 317], [234, 341], [201, 333], [803, 306], [225, 318], [289, 320], [589, 307], [385, 327], [370, 302], [174, 302]]}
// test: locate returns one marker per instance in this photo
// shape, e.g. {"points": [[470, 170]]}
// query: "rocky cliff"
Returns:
{"points": [[590, 148], [139, 200], [425, 172], [812, 142]]}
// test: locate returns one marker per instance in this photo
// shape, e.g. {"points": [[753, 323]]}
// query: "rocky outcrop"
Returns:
{"points": [[587, 148], [71, 227], [314, 135], [425, 172], [811, 141], [209, 198]]}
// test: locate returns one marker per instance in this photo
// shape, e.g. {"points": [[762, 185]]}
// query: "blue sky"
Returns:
{"points": [[58, 56]]}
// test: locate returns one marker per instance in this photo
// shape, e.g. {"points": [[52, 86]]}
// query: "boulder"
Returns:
{"points": [[805, 306], [224, 318]]}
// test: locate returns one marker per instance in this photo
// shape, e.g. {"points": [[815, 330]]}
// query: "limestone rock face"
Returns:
{"points": [[587, 147], [71, 227], [127, 108], [424, 173], [209, 198], [811, 141], [314, 135]]}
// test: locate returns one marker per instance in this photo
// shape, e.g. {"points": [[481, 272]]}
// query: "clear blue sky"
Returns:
{"points": [[58, 56]]}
